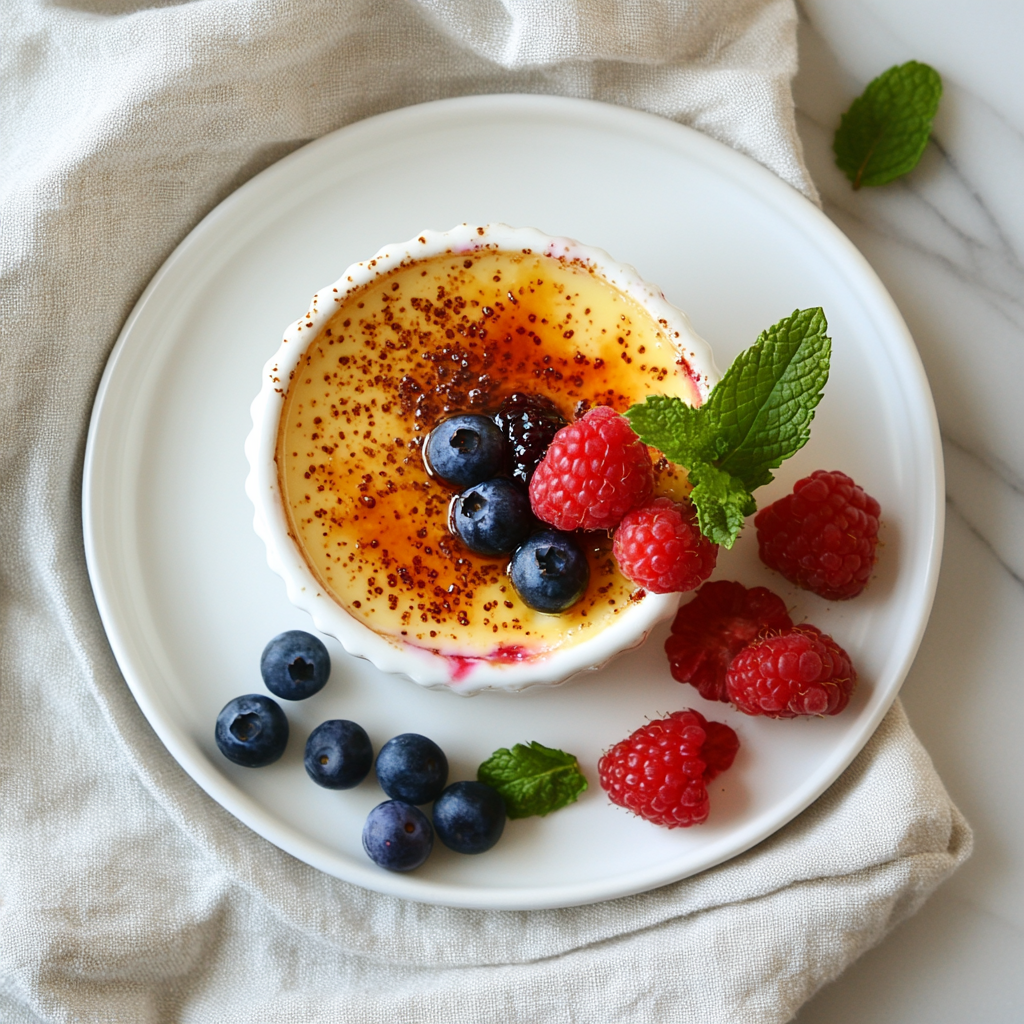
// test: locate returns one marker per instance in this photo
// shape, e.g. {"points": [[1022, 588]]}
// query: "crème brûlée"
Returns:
{"points": [[440, 336], [382, 360]]}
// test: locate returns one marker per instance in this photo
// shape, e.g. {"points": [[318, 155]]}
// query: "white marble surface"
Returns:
{"points": [[948, 241]]}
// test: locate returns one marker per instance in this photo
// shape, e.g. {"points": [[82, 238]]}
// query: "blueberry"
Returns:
{"points": [[464, 450], [397, 836], [412, 768], [252, 730], [339, 754], [492, 518], [295, 665], [550, 571], [469, 817]]}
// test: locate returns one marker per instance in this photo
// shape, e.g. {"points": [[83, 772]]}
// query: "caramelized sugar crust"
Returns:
{"points": [[450, 334]]}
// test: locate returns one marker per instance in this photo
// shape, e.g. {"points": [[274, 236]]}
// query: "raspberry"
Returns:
{"points": [[529, 423], [822, 537], [801, 671], [714, 627], [719, 748], [660, 548], [594, 472], [660, 771]]}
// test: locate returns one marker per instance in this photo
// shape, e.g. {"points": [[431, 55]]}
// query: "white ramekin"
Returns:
{"points": [[390, 654]]}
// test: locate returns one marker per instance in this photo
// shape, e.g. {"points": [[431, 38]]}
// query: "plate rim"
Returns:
{"points": [[766, 186]]}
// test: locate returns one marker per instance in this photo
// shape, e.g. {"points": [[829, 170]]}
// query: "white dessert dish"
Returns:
{"points": [[181, 580], [456, 667]]}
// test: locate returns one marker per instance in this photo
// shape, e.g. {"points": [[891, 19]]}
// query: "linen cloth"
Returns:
{"points": [[125, 893]]}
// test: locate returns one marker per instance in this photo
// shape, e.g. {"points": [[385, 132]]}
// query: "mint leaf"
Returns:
{"points": [[722, 502], [764, 404], [883, 134], [679, 426], [534, 779], [756, 416]]}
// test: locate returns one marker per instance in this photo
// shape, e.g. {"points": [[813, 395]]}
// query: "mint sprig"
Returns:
{"points": [[883, 134], [758, 415], [533, 779]]}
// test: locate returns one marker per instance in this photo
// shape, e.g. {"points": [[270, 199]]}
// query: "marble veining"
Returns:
{"points": [[955, 265], [948, 242], [990, 505]]}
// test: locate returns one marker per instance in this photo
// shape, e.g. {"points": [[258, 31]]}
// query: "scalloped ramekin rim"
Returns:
{"points": [[427, 668]]}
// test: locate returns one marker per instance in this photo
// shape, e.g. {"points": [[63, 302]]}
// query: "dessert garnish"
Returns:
{"points": [[412, 768], [338, 755], [800, 671], [534, 779], [465, 450], [549, 571], [709, 631], [469, 817], [660, 547], [883, 134], [295, 665], [822, 536], [397, 836], [252, 730], [660, 772], [493, 518], [758, 415], [529, 423], [593, 473]]}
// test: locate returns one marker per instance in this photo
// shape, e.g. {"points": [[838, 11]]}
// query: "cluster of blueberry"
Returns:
{"points": [[469, 817], [252, 731], [491, 462]]}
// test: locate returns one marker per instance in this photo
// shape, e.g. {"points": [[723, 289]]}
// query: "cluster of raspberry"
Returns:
{"points": [[732, 643]]}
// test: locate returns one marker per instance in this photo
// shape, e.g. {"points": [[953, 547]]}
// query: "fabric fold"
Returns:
{"points": [[126, 894]]}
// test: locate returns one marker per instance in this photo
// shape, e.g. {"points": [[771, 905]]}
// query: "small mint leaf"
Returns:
{"points": [[533, 779], [886, 129], [764, 404], [721, 501], [673, 427]]}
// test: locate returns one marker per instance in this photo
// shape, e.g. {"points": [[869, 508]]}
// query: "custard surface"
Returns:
{"points": [[439, 336]]}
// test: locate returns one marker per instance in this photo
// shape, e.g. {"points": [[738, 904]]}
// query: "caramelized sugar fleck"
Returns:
{"points": [[450, 334]]}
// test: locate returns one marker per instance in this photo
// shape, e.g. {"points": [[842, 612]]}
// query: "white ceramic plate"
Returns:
{"points": [[181, 578]]}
